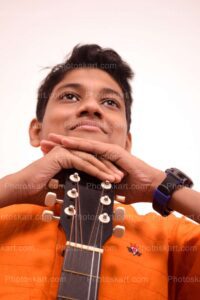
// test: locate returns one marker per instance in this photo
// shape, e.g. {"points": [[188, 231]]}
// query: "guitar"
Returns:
{"points": [[87, 220]]}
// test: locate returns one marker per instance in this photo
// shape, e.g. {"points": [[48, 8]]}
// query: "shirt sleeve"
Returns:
{"points": [[184, 260]]}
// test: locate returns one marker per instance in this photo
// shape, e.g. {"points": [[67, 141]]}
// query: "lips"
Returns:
{"points": [[89, 125]]}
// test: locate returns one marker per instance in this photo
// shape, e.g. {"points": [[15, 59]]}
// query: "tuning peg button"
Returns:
{"points": [[53, 184], [48, 216], [51, 199], [118, 231], [119, 213], [120, 198]]}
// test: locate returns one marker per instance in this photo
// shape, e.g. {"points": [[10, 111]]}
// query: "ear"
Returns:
{"points": [[128, 142], [34, 132]]}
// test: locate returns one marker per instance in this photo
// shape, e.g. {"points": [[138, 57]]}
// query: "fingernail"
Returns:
{"points": [[117, 178], [120, 172], [111, 178]]}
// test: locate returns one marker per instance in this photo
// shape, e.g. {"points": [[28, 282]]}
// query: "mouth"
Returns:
{"points": [[92, 126]]}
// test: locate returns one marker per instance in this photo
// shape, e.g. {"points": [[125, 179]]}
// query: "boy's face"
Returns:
{"points": [[87, 103]]}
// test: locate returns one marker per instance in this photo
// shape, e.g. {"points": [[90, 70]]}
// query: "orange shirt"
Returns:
{"points": [[168, 267]]}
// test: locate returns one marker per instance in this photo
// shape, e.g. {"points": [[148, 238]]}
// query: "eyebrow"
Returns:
{"points": [[80, 87]]}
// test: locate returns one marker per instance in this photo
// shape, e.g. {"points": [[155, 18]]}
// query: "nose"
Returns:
{"points": [[90, 107]]}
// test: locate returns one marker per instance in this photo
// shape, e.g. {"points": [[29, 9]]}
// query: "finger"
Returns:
{"points": [[79, 143], [114, 153], [57, 138], [66, 159], [101, 165], [105, 150], [47, 146], [112, 167], [110, 152]]}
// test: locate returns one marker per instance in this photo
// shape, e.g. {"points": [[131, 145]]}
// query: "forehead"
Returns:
{"points": [[90, 79]]}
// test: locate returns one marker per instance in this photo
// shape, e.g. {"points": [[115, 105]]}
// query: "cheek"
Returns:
{"points": [[118, 135], [53, 121], [120, 126]]}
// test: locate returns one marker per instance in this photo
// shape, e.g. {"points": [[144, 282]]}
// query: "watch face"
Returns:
{"points": [[179, 175]]}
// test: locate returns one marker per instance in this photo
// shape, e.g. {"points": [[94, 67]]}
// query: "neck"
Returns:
{"points": [[80, 273]]}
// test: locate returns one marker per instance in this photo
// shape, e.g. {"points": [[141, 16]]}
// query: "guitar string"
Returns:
{"points": [[80, 226], [80, 217], [92, 265], [98, 265], [99, 206], [75, 229], [70, 253], [91, 269], [95, 241], [96, 216]]}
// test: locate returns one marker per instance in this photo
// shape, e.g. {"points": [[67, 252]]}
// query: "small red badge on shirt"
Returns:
{"points": [[134, 249]]}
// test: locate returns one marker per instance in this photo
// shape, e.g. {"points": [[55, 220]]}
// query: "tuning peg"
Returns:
{"points": [[53, 184], [70, 210], [106, 185], [48, 216], [75, 177], [119, 213], [105, 200], [104, 218], [120, 198], [73, 193], [118, 231], [51, 199]]}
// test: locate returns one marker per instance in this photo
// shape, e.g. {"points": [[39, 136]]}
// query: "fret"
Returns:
{"points": [[86, 247], [80, 274]]}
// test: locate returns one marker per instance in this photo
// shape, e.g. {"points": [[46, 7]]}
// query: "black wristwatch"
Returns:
{"points": [[174, 180]]}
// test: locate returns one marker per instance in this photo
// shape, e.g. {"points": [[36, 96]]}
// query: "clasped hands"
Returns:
{"points": [[135, 179]]}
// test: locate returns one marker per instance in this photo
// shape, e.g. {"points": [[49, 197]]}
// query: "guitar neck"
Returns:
{"points": [[86, 218], [80, 273]]}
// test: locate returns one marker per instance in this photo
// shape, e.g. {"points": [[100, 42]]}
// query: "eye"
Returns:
{"points": [[69, 97], [111, 102]]}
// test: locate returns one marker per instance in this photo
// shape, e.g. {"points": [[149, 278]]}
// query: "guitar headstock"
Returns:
{"points": [[86, 215], [87, 208]]}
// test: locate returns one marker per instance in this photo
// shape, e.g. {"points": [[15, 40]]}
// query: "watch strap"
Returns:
{"points": [[174, 180]]}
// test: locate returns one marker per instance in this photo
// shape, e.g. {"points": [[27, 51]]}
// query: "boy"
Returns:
{"points": [[82, 122]]}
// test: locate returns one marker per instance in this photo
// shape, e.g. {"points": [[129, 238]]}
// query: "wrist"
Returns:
{"points": [[157, 180], [174, 180], [9, 193]]}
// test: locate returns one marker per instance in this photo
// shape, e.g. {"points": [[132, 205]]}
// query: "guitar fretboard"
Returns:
{"points": [[80, 273]]}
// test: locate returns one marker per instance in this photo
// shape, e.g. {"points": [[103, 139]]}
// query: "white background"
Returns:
{"points": [[159, 39]]}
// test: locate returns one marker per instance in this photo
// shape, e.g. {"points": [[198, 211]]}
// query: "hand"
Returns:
{"points": [[140, 179], [30, 184]]}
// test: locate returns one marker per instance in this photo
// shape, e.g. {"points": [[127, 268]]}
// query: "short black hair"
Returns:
{"points": [[88, 56]]}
